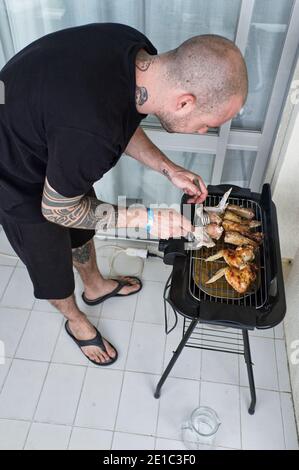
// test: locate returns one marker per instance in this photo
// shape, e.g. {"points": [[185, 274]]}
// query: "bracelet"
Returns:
{"points": [[150, 220]]}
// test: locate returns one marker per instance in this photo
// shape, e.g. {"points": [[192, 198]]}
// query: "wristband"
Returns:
{"points": [[150, 220]]}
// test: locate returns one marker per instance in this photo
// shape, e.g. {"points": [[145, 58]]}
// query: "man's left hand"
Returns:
{"points": [[191, 184]]}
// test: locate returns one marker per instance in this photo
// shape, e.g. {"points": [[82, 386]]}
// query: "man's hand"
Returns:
{"points": [[169, 223], [142, 149], [190, 183]]}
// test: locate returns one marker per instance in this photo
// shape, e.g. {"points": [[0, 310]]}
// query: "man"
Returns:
{"points": [[74, 101]]}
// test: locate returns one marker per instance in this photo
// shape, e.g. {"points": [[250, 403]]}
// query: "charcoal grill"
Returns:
{"points": [[218, 319]]}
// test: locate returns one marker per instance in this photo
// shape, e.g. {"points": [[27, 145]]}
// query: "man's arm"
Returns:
{"points": [[90, 213], [145, 151], [87, 212]]}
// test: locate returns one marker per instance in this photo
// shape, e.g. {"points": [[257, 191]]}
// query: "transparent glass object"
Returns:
{"points": [[199, 432], [238, 167], [143, 185], [268, 30]]}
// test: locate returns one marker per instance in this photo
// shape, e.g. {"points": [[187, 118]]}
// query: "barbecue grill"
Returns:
{"points": [[218, 318]]}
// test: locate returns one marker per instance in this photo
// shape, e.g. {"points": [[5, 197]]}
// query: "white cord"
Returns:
{"points": [[132, 252]]}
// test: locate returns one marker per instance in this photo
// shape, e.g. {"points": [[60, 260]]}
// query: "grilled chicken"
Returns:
{"points": [[228, 215], [244, 229], [230, 226], [241, 211], [258, 237], [240, 280], [253, 223], [214, 218], [215, 231], [236, 238], [237, 258]]}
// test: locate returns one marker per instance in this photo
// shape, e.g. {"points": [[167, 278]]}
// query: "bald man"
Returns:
{"points": [[74, 101]]}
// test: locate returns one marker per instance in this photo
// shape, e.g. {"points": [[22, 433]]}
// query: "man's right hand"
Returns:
{"points": [[168, 223]]}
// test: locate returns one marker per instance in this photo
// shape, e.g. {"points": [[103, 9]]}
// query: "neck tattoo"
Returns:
{"points": [[141, 95]]}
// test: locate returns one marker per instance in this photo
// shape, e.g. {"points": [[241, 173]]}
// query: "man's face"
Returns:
{"points": [[195, 122]]}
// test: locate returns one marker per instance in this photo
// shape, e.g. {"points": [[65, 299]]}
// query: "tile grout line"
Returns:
{"points": [[43, 386], [159, 402], [152, 373], [77, 408], [77, 276], [124, 372], [280, 403], [7, 284]]}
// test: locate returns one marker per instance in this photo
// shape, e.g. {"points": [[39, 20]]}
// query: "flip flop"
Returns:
{"points": [[97, 341], [114, 293]]}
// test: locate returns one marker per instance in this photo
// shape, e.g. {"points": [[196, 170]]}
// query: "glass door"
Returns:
{"points": [[266, 32]]}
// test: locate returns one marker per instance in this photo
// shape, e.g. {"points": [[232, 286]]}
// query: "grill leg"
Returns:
{"points": [[249, 364], [175, 357]]}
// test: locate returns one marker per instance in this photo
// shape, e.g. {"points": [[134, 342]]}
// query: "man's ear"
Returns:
{"points": [[185, 102]]}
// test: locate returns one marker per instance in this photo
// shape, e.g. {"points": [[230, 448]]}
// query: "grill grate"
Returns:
{"points": [[215, 338], [221, 291]]}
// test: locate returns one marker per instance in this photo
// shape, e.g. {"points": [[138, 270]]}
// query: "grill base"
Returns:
{"points": [[196, 335]]}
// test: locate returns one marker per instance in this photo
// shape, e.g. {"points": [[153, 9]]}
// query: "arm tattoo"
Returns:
{"points": [[166, 173], [141, 95], [79, 212], [144, 60]]}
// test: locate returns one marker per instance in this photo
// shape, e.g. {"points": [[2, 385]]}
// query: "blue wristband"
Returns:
{"points": [[150, 220]]}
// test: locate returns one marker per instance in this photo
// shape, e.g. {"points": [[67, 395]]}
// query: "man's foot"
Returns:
{"points": [[82, 329], [108, 285]]}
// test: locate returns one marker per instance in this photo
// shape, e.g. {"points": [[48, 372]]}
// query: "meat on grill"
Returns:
{"points": [[240, 280], [214, 218], [235, 238], [237, 258], [241, 211], [243, 229], [215, 231], [230, 216]]}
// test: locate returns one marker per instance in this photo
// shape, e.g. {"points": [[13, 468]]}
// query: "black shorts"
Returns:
{"points": [[46, 250]]}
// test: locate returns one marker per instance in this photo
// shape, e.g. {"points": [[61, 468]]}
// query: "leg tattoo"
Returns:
{"points": [[82, 254]]}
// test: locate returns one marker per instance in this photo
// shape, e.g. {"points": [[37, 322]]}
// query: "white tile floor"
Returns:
{"points": [[52, 398]]}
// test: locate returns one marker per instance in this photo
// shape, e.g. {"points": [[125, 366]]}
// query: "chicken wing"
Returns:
{"points": [[215, 231], [254, 223], [241, 211], [228, 215], [237, 258], [240, 280], [235, 238], [230, 226], [243, 229], [214, 218]]}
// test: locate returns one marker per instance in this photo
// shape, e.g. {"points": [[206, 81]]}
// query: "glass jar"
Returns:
{"points": [[199, 432]]}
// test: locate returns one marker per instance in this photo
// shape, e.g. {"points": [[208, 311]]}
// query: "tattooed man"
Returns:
{"points": [[74, 101]]}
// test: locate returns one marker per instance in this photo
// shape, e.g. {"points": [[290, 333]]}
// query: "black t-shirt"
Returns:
{"points": [[69, 113]]}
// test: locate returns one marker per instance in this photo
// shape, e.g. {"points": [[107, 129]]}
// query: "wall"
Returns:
{"points": [[286, 197]]}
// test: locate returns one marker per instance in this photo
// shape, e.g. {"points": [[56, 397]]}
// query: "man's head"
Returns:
{"points": [[205, 84]]}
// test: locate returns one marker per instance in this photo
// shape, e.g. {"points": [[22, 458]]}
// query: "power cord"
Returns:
{"points": [[133, 252], [140, 253]]}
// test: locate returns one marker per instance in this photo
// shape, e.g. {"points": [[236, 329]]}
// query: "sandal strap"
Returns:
{"points": [[97, 341], [120, 285]]}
